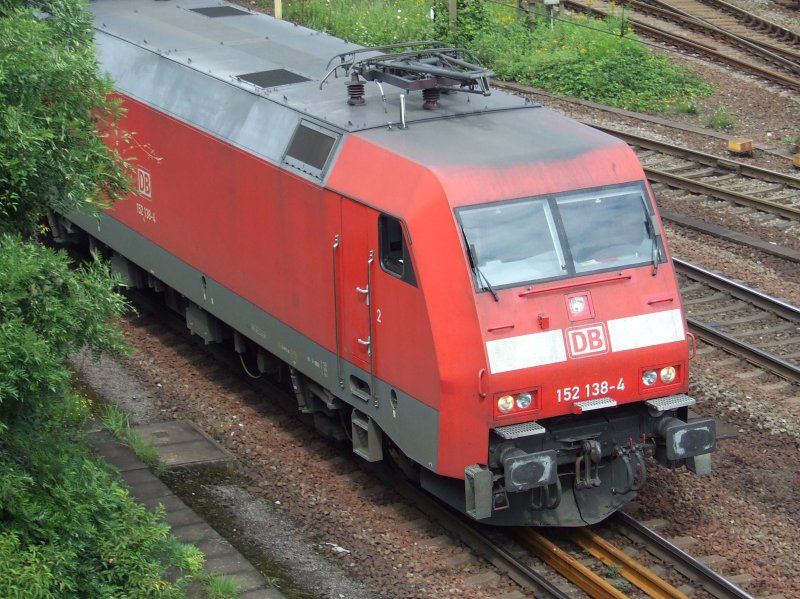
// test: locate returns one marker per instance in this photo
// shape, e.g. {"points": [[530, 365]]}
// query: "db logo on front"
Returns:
{"points": [[587, 341]]}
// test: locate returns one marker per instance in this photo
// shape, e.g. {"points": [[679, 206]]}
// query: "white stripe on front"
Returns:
{"points": [[526, 351], [646, 330]]}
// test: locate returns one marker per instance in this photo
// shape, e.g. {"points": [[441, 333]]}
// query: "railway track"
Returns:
{"points": [[775, 44], [753, 326], [619, 560], [522, 552], [718, 178], [713, 43], [701, 576]]}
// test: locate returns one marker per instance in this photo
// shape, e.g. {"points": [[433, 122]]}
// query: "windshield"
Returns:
{"points": [[535, 239]]}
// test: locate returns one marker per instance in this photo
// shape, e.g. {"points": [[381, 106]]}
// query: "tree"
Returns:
{"points": [[48, 311], [67, 526], [54, 113]]}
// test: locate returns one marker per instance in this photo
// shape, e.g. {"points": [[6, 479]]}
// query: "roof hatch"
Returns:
{"points": [[220, 11], [273, 78]]}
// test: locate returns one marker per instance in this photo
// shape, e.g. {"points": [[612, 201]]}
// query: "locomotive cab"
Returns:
{"points": [[587, 355]]}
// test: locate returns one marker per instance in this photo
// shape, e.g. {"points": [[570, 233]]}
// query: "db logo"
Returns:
{"points": [[587, 341], [143, 182]]}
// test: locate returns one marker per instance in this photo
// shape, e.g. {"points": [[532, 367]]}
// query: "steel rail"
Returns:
{"points": [[479, 542], [701, 157], [731, 344], [742, 292], [769, 52], [788, 212], [747, 351], [716, 585], [765, 247], [719, 193], [698, 47], [751, 19], [632, 570], [570, 568]]}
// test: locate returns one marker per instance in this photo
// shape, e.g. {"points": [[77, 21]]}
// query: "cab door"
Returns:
{"points": [[357, 259]]}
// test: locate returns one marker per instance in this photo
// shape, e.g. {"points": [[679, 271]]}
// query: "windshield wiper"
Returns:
{"points": [[652, 232], [473, 262]]}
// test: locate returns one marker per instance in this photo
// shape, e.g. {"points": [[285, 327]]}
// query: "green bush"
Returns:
{"points": [[368, 22], [588, 64], [53, 104], [49, 310], [67, 527], [472, 17]]}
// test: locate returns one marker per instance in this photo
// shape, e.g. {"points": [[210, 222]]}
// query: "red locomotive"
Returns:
{"points": [[478, 286]]}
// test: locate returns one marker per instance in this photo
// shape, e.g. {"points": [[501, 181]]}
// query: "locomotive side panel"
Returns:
{"points": [[232, 217]]}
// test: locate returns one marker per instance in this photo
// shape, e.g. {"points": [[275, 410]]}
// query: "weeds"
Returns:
{"points": [[612, 570], [621, 584], [721, 120], [363, 22], [587, 63], [116, 420], [685, 107], [218, 586], [792, 144]]}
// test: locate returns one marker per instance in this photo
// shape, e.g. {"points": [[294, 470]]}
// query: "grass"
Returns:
{"points": [[721, 120], [116, 420], [364, 22], [218, 586], [600, 61]]}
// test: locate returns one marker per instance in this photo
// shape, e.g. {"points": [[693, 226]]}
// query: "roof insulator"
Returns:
{"points": [[355, 91]]}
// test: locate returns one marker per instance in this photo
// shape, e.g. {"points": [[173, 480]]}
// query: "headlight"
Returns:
{"points": [[524, 400], [649, 377], [505, 403], [668, 374]]}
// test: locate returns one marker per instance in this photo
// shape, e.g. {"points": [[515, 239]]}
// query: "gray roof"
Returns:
{"points": [[227, 47], [190, 65]]}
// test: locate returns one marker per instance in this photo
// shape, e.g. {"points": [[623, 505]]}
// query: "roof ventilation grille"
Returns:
{"points": [[220, 11], [273, 78]]}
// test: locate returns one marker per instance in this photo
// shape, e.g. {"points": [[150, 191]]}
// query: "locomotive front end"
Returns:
{"points": [[587, 355]]}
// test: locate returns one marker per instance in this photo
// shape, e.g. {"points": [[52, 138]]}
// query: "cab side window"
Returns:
{"points": [[394, 256]]}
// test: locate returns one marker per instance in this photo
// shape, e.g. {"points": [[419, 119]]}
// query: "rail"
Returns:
{"points": [[716, 585], [744, 170], [747, 351], [698, 47], [632, 570]]}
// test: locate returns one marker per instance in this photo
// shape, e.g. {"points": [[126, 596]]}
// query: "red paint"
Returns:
{"points": [[269, 236]]}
